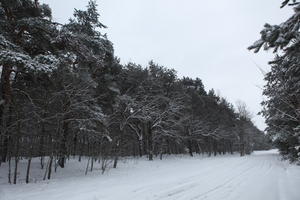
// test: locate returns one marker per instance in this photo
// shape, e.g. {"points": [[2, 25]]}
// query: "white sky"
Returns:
{"points": [[205, 39]]}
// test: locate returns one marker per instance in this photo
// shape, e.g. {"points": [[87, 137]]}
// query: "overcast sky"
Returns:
{"points": [[205, 39]]}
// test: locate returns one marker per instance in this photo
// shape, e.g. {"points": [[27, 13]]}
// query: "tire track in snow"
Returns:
{"points": [[227, 186], [222, 185], [194, 183]]}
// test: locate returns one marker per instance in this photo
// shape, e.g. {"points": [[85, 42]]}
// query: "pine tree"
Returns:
{"points": [[281, 108]]}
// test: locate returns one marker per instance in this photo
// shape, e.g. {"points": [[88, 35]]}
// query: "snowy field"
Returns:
{"points": [[261, 176]]}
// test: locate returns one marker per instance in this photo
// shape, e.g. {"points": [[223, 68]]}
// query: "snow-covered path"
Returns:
{"points": [[261, 176]]}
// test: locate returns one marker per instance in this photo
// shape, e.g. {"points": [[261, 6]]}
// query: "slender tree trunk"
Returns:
{"points": [[118, 149], [92, 163], [46, 170], [5, 108], [75, 141], [140, 148], [210, 147], [81, 149], [199, 148], [161, 151], [63, 146], [28, 170], [42, 143], [16, 169], [196, 145], [169, 147], [116, 154], [29, 164], [140, 144], [55, 162], [225, 147], [4, 149], [1, 144], [16, 159], [190, 148], [9, 170], [215, 147], [231, 148], [242, 149], [42, 162], [50, 167], [148, 130]]}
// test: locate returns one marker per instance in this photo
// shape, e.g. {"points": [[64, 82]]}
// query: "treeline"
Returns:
{"points": [[282, 105], [64, 93]]}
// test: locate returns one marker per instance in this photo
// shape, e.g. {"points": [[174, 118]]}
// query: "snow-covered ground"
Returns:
{"points": [[261, 176]]}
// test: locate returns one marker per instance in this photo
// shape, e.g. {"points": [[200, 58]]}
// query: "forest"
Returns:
{"points": [[65, 94]]}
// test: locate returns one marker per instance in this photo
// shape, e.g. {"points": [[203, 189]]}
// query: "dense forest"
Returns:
{"points": [[282, 106], [65, 94]]}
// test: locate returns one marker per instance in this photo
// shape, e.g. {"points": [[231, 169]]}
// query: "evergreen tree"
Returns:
{"points": [[281, 108]]}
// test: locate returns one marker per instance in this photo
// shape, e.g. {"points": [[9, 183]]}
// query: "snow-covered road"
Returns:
{"points": [[261, 176]]}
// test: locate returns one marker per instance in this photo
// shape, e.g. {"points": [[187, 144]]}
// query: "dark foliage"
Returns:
{"points": [[63, 93]]}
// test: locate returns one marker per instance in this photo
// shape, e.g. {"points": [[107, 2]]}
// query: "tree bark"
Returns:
{"points": [[148, 130], [28, 170], [50, 167], [63, 145], [5, 108], [242, 149], [9, 170], [118, 149], [16, 169], [190, 148], [116, 154]]}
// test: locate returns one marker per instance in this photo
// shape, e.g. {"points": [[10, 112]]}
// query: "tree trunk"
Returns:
{"points": [[42, 162], [116, 158], [140, 144], [28, 170], [81, 149], [4, 149], [215, 147], [168, 147], [75, 141], [16, 169], [16, 160], [199, 148], [190, 148], [50, 167], [29, 164], [231, 147], [92, 163], [242, 149], [9, 170], [210, 147], [63, 146], [41, 146], [161, 149], [115, 161], [148, 130], [224, 147], [117, 150], [46, 170], [5, 108]]}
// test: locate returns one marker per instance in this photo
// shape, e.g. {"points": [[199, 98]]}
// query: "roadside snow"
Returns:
{"points": [[261, 176]]}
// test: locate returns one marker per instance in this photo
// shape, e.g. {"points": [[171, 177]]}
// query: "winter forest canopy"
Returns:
{"points": [[65, 94]]}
